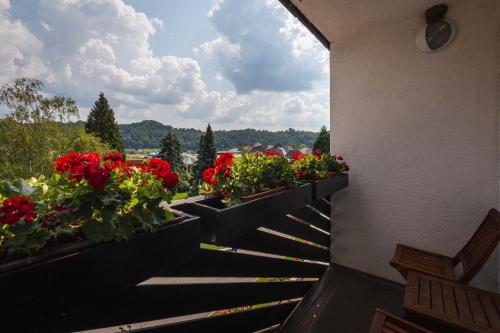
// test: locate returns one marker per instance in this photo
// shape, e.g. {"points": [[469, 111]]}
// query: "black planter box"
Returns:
{"points": [[88, 268], [324, 187], [220, 224]]}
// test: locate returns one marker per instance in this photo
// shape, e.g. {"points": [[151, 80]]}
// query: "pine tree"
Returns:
{"points": [[322, 142], [101, 122], [206, 153], [171, 151]]}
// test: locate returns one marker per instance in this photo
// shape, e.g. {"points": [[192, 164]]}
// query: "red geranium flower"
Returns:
{"points": [[67, 162], [158, 167], [257, 154], [272, 153], [222, 164], [300, 173], [96, 176], [171, 180], [224, 160], [317, 154], [297, 156], [209, 176], [113, 160], [75, 164], [340, 158], [13, 209]]}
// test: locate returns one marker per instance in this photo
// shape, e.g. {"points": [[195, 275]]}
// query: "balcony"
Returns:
{"points": [[250, 279], [421, 130]]}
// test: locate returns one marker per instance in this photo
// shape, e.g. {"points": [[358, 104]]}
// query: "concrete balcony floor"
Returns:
{"points": [[344, 301]]}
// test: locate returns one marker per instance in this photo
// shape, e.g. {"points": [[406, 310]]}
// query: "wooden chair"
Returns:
{"points": [[385, 322], [470, 259]]}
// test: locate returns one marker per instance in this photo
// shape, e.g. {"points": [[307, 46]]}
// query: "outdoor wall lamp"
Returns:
{"points": [[438, 33]]}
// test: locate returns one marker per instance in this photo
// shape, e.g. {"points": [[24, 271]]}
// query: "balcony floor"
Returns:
{"points": [[344, 301]]}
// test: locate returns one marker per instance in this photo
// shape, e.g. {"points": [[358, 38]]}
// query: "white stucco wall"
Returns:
{"points": [[420, 132]]}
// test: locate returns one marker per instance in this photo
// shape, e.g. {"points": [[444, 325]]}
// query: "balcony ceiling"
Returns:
{"points": [[339, 20]]}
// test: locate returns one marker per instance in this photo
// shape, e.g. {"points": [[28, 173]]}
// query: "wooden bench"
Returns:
{"points": [[470, 259], [385, 322], [453, 304]]}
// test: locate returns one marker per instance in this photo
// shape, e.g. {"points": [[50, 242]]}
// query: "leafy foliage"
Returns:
{"points": [[101, 122], [322, 143], [316, 166], [233, 177], [148, 134], [310, 166], [90, 196], [171, 151], [29, 106], [30, 135]]}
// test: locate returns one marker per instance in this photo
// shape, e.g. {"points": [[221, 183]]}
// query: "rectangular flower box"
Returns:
{"points": [[89, 267], [220, 224], [326, 186]]}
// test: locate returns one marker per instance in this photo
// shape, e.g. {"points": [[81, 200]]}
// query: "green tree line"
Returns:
{"points": [[149, 133]]}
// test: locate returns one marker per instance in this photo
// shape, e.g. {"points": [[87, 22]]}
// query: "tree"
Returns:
{"points": [[31, 135], [171, 151], [206, 153], [101, 122], [322, 142]]}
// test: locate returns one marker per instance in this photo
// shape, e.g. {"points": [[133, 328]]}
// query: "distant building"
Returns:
{"points": [[306, 150], [189, 159]]}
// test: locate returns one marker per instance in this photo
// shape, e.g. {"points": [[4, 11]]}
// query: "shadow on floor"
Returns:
{"points": [[344, 302]]}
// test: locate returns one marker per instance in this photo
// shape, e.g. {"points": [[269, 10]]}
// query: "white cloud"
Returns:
{"points": [[46, 26], [262, 47], [4, 5], [20, 51], [86, 46]]}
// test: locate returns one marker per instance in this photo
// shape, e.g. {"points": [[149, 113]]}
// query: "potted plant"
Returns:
{"points": [[97, 223], [246, 192], [326, 172]]}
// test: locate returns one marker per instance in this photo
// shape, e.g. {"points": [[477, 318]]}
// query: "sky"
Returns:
{"points": [[233, 63]]}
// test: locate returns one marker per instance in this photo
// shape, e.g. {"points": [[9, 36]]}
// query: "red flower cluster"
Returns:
{"points": [[80, 166], [209, 176], [300, 173], [272, 153], [161, 169], [90, 167], [171, 180], [13, 209], [113, 160], [157, 167], [317, 154], [297, 156], [223, 163], [96, 176]]}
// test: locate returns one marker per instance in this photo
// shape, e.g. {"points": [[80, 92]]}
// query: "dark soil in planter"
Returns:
{"points": [[220, 223]]}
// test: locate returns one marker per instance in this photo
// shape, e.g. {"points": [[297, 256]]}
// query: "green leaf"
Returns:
{"points": [[98, 231], [18, 187], [124, 227]]}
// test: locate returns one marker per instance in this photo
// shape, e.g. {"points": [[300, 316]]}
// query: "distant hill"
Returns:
{"points": [[148, 133]]}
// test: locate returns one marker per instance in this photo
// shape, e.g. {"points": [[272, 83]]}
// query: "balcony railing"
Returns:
{"points": [[247, 283]]}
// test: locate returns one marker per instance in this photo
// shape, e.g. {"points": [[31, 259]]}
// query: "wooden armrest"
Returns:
{"points": [[408, 258]]}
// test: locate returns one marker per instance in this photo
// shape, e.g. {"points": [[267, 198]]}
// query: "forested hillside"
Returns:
{"points": [[148, 133]]}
